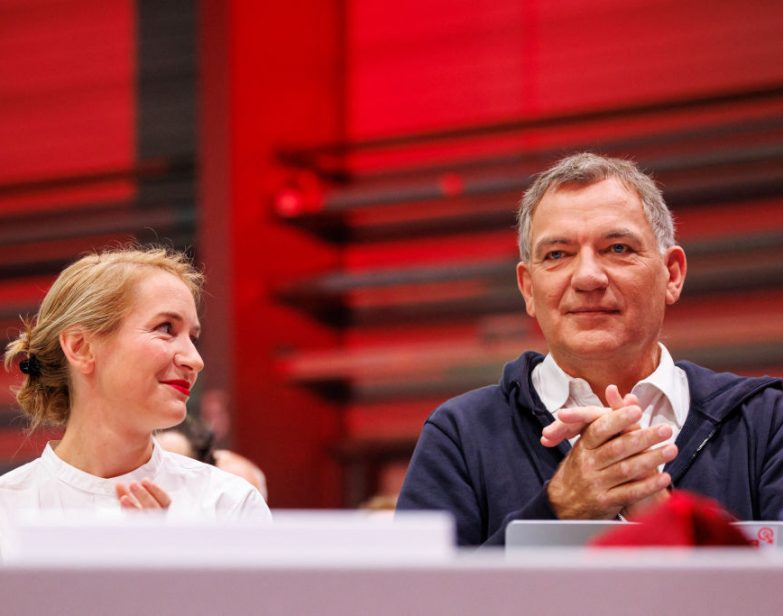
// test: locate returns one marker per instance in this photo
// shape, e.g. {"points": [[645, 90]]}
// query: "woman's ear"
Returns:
{"points": [[78, 348]]}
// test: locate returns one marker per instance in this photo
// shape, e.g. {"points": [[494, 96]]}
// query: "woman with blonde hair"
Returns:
{"points": [[111, 356]]}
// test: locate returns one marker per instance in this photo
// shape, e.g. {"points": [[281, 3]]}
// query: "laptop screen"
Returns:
{"points": [[574, 533]]}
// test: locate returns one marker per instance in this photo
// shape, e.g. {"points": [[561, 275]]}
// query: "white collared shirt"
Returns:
{"points": [[195, 488], [664, 395]]}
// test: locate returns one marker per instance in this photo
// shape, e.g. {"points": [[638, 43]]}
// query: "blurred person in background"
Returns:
{"points": [[111, 356], [190, 438], [193, 439], [606, 423]]}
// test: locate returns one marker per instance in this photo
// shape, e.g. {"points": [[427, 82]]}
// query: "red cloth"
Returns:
{"points": [[682, 520]]}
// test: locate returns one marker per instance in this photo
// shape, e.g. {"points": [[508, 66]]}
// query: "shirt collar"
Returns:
{"points": [[665, 378], [86, 482], [554, 386], [551, 384]]}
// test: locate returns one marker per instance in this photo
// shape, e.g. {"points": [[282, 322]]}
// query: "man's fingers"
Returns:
{"points": [[582, 414], [615, 463], [572, 421], [613, 397], [569, 423], [616, 401], [610, 425], [639, 466], [569, 431], [638, 508], [629, 444], [631, 400], [634, 491], [559, 431]]}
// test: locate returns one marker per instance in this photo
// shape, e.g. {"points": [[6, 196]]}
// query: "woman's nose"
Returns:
{"points": [[189, 357]]}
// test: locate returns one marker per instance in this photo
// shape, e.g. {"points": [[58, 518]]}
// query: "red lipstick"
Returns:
{"points": [[182, 387]]}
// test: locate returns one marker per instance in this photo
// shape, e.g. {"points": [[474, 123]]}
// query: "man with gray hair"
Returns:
{"points": [[606, 423]]}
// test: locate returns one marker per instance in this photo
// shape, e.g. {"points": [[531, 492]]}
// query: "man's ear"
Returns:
{"points": [[525, 286], [77, 345], [676, 266]]}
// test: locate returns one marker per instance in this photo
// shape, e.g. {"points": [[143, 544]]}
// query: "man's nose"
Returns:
{"points": [[589, 273]]}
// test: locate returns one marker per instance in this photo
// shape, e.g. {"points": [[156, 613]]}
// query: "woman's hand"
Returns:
{"points": [[142, 494]]}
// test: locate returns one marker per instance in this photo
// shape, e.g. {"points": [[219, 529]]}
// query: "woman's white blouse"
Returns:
{"points": [[195, 488]]}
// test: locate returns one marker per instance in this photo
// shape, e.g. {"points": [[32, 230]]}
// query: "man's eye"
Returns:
{"points": [[553, 255], [619, 249]]}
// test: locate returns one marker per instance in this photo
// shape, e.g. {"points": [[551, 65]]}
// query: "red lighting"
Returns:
{"points": [[451, 184], [289, 202]]}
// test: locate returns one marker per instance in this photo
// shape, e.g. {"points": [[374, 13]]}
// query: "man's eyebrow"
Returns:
{"points": [[622, 234], [546, 242]]}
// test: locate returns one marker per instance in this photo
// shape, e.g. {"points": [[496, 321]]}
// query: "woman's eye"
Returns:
{"points": [[166, 328]]}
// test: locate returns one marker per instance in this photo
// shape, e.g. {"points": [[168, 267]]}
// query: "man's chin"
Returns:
{"points": [[593, 345]]}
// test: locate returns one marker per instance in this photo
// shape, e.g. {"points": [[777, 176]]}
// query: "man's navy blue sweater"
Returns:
{"points": [[480, 458]]}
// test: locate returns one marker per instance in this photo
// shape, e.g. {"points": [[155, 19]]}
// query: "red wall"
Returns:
{"points": [[271, 79], [67, 97], [415, 65]]}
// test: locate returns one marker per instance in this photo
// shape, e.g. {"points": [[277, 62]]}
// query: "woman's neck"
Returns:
{"points": [[101, 450]]}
